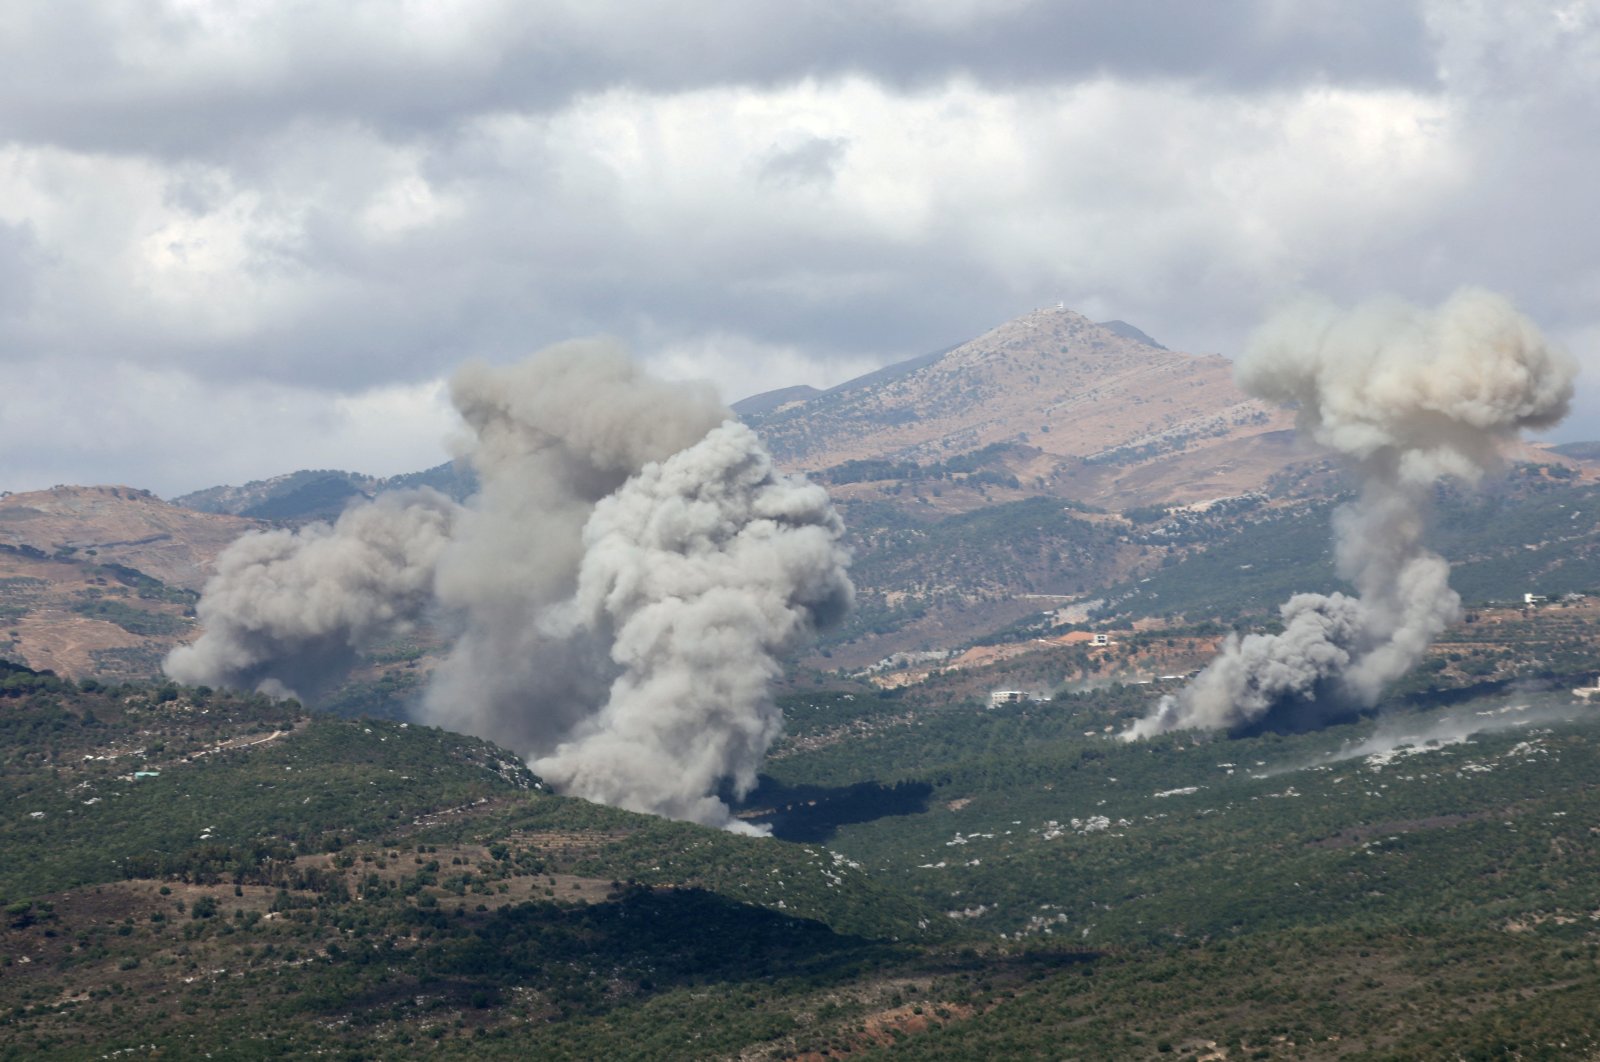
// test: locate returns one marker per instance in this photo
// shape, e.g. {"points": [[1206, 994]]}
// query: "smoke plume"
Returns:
{"points": [[549, 438], [698, 573], [287, 611], [621, 587], [1410, 397]]}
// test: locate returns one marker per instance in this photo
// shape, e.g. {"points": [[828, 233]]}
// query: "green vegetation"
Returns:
{"points": [[320, 497], [983, 467], [130, 618], [1538, 535], [1007, 882], [906, 568], [1232, 882], [389, 696], [148, 587], [219, 872], [19, 595], [208, 871], [320, 494], [131, 662], [18, 681], [1244, 567], [1531, 533]]}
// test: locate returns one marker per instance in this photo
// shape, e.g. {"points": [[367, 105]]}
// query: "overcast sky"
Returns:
{"points": [[242, 238]]}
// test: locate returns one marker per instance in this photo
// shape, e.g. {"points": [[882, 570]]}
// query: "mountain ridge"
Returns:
{"points": [[1051, 379], [321, 494]]}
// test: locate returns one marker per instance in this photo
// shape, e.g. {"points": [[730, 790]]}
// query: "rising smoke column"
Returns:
{"points": [[620, 587], [549, 437], [698, 573], [288, 610], [1411, 397]]}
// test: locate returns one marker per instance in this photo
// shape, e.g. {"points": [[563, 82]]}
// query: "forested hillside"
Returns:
{"points": [[197, 870]]}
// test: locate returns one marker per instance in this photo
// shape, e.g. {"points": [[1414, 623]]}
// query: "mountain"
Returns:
{"points": [[321, 494], [196, 871], [767, 401], [1580, 451], [309, 494], [1128, 331], [102, 580], [1067, 407], [121, 525], [1051, 462], [1083, 409]]}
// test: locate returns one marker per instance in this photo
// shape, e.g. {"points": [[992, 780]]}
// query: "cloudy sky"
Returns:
{"points": [[239, 238]]}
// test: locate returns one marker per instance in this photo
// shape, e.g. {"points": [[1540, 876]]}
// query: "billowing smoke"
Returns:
{"points": [[550, 437], [1410, 397], [622, 586], [287, 611], [697, 574]]}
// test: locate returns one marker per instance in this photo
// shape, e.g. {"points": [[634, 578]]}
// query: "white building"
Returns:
{"points": [[1002, 697]]}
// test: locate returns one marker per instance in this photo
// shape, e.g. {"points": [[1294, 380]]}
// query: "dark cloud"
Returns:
{"points": [[104, 78], [336, 198]]}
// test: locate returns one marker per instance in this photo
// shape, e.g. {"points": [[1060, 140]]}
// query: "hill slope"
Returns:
{"points": [[320, 494], [1052, 379], [192, 871], [123, 525], [195, 872], [102, 580]]}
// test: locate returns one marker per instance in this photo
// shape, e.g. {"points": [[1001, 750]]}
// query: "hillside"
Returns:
{"points": [[1051, 463], [970, 477], [192, 871], [121, 525], [102, 580], [209, 871], [1087, 401], [320, 494], [1392, 891]]}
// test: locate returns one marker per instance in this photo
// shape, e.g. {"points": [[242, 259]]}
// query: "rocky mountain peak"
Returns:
{"points": [[1052, 379]]}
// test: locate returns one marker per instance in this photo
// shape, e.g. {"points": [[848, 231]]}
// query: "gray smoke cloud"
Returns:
{"points": [[287, 611], [1411, 397], [621, 587], [698, 573], [549, 438]]}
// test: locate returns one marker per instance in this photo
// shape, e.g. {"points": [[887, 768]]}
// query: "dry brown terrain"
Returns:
{"points": [[1091, 415], [42, 629], [121, 525], [1051, 379], [71, 561]]}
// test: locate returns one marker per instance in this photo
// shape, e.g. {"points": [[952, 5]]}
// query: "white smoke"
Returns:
{"points": [[623, 584], [1410, 397], [1400, 736]]}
